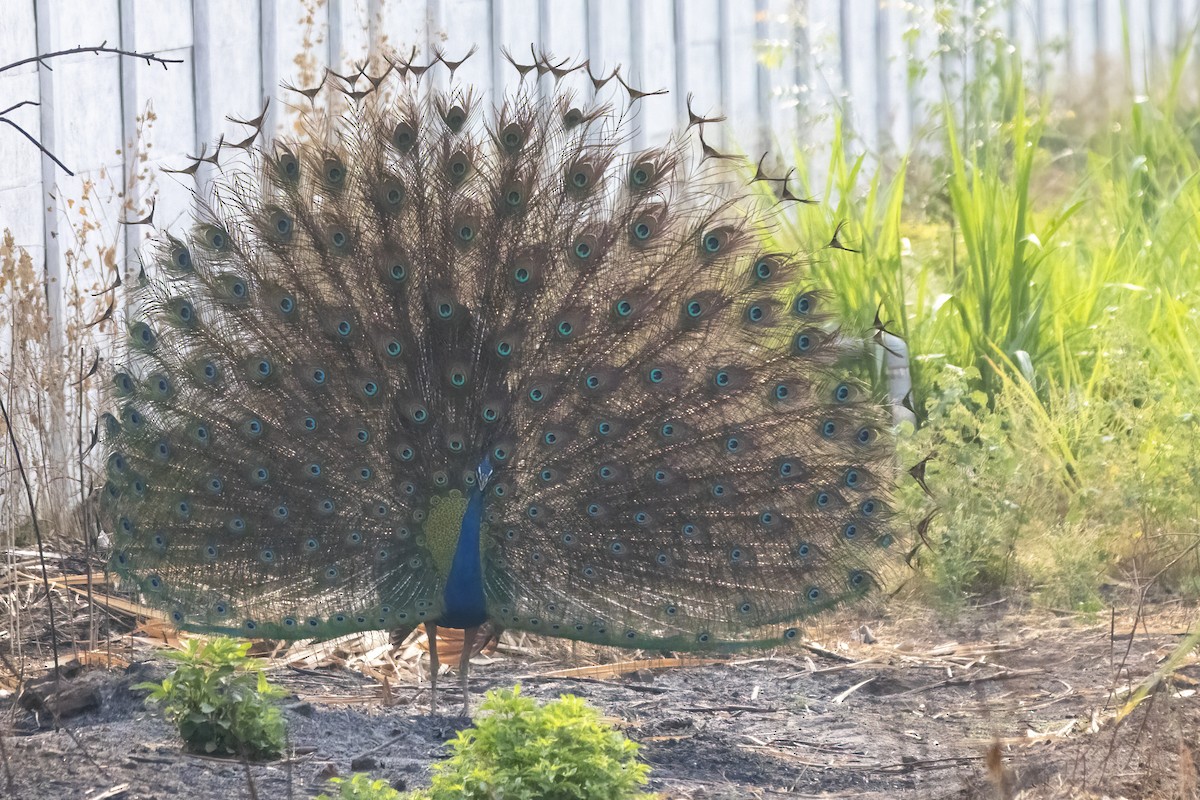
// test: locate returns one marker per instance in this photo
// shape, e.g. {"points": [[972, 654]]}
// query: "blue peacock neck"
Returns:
{"points": [[464, 605]]}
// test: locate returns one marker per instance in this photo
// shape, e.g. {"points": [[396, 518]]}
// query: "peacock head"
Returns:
{"points": [[484, 472]]}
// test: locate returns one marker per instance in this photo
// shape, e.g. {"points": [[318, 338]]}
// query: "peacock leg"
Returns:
{"points": [[431, 635], [464, 665]]}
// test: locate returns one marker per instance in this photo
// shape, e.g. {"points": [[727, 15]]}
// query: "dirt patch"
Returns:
{"points": [[992, 707]]}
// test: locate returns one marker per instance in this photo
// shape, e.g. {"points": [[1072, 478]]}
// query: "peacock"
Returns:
{"points": [[437, 363]]}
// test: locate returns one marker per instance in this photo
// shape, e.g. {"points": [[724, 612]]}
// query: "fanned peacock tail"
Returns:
{"points": [[363, 323]]}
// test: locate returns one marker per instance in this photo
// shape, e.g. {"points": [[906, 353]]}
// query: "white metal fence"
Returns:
{"points": [[865, 55], [774, 67]]}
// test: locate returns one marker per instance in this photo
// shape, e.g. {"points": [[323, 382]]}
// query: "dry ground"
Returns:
{"points": [[994, 704]]}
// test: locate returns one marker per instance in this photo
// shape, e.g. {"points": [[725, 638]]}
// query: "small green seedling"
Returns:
{"points": [[359, 786], [220, 701]]}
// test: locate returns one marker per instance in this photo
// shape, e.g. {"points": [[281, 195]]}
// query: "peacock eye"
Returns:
{"points": [[281, 223], [583, 248], [513, 137], [334, 172], [458, 166], [403, 137], [642, 174]]}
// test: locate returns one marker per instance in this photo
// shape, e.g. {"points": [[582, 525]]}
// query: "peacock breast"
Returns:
{"points": [[443, 528]]}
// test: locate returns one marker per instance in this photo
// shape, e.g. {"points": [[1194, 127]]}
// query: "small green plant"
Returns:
{"points": [[220, 700], [359, 786], [519, 750]]}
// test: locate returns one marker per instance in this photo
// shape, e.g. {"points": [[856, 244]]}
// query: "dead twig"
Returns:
{"points": [[37, 532], [1004, 675]]}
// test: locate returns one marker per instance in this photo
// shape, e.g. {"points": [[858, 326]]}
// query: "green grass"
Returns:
{"points": [[1044, 268]]}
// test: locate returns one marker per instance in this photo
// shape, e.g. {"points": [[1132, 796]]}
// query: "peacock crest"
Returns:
{"points": [[434, 360]]}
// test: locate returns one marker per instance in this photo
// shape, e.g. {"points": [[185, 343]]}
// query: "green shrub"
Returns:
{"points": [[360, 787], [220, 701], [519, 750]]}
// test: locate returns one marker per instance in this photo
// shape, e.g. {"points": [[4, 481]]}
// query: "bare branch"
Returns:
{"points": [[96, 50], [37, 144], [15, 106]]}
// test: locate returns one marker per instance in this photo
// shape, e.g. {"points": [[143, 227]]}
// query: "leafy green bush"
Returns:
{"points": [[522, 751], [220, 700], [360, 787]]}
